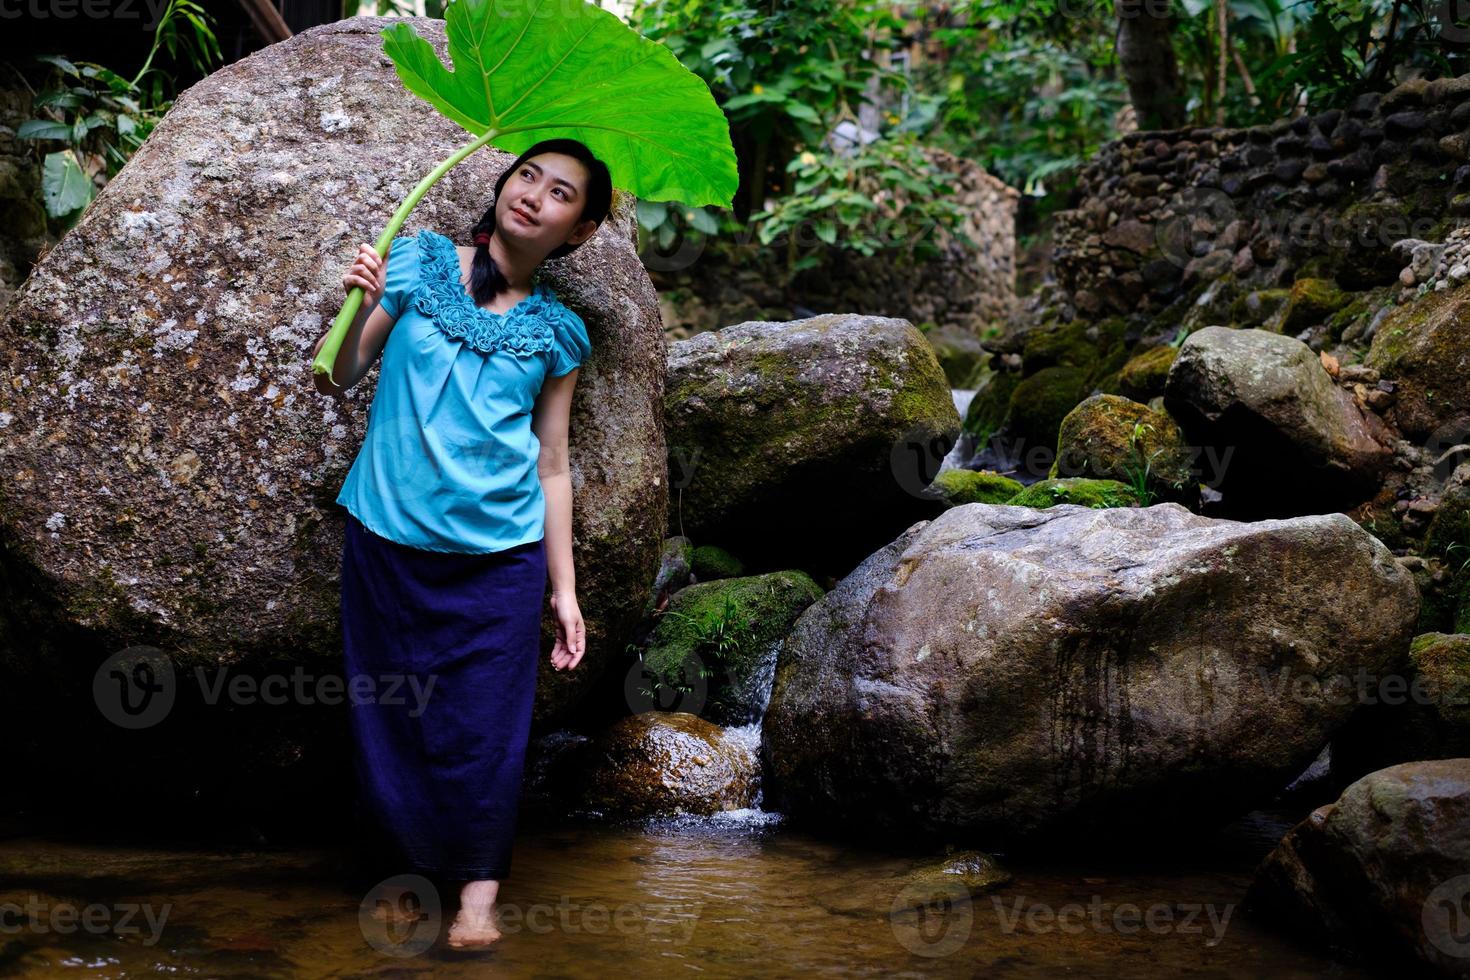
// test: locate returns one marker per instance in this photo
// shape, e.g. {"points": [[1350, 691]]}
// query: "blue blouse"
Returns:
{"points": [[448, 462]]}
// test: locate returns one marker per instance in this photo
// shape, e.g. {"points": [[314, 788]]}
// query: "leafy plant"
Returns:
{"points": [[101, 117], [1139, 469], [522, 74], [886, 196], [722, 635]]}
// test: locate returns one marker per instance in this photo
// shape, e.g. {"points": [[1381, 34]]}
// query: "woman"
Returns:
{"points": [[459, 504]]}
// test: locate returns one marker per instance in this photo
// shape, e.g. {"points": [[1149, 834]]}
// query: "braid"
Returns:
{"points": [[486, 279]]}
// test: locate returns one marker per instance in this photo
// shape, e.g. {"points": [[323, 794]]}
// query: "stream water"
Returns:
{"points": [[737, 895]]}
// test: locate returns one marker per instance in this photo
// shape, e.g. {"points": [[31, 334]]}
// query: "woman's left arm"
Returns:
{"points": [[550, 420]]}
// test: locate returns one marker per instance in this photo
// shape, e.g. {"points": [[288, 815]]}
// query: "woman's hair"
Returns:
{"points": [[486, 279]]}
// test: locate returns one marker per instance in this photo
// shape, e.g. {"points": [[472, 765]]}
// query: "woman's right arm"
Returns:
{"points": [[369, 330]]}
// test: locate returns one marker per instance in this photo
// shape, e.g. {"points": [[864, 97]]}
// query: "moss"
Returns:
{"points": [[1310, 302], [1144, 375], [1448, 536], [976, 487], [725, 627], [1360, 247], [1086, 493], [1442, 662], [989, 405], [1078, 343], [1040, 402], [1108, 437], [709, 562], [1257, 306], [1424, 347]]}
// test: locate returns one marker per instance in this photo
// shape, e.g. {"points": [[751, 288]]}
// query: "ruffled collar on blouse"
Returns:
{"points": [[526, 328]]}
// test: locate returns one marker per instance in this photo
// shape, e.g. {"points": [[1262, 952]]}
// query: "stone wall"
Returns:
{"points": [[963, 288], [1332, 195]]}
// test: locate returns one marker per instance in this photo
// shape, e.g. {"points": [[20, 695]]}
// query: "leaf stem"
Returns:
{"points": [[326, 358]]}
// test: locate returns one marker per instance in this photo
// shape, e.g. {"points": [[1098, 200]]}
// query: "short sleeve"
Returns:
{"points": [[403, 275], [572, 345]]}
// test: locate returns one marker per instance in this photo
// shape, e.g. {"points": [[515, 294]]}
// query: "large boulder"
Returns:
{"points": [[1073, 675], [1298, 443], [1385, 869], [170, 470], [1424, 349], [805, 444]]}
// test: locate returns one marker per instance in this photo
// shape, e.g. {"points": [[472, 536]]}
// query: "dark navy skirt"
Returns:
{"points": [[443, 648]]}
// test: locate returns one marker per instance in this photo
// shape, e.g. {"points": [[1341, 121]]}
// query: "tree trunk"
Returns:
{"points": [[1146, 54]]}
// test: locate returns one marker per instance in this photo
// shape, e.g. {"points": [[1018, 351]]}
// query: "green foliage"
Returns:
{"points": [[522, 74], [1140, 467], [1030, 90], [787, 74], [100, 118], [858, 197]]}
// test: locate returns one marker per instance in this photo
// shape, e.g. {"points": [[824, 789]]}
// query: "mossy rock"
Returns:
{"points": [[1448, 536], [1109, 437], [1143, 376], [1074, 490], [1424, 347], [725, 630], [1441, 662], [1077, 343], [1360, 250], [1461, 591], [1040, 402], [976, 487], [1257, 307], [989, 405], [1310, 302], [710, 562]]}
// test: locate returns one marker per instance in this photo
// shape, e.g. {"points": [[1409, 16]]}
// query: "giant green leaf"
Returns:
{"points": [[529, 70]]}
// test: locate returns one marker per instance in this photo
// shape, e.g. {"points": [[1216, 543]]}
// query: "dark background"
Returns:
{"points": [[120, 37]]}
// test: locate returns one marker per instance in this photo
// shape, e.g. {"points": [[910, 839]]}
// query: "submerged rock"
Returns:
{"points": [[659, 763], [1077, 675], [1385, 869]]}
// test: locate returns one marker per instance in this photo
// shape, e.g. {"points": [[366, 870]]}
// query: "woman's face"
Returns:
{"points": [[540, 205]]}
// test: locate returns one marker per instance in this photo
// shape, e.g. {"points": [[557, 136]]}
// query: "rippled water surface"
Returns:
{"points": [[737, 896]]}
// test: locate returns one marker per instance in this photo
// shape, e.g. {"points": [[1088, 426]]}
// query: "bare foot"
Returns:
{"points": [[474, 925]]}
